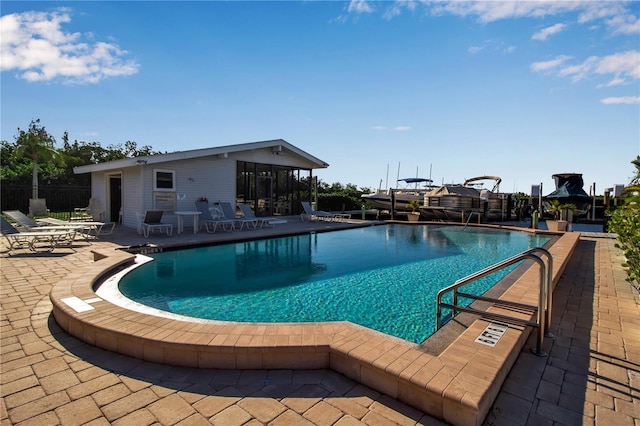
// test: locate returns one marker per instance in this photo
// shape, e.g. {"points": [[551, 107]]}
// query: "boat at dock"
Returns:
{"points": [[382, 199], [569, 190], [455, 202]]}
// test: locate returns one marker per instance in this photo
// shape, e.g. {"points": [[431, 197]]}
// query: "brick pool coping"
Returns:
{"points": [[459, 385]]}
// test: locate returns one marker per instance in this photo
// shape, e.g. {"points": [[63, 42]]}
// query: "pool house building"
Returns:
{"points": [[272, 176]]}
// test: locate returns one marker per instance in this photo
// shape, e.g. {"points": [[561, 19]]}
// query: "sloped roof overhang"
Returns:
{"points": [[314, 163]]}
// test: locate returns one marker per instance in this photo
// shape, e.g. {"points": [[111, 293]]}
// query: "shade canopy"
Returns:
{"points": [[415, 180]]}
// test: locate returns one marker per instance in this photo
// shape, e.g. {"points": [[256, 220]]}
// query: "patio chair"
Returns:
{"points": [[150, 220], [315, 215], [25, 223], [248, 213], [93, 211], [85, 230], [90, 229], [38, 207], [22, 220], [210, 222], [229, 213], [32, 240]]}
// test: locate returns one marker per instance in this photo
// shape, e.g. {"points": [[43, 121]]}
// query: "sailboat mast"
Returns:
{"points": [[386, 183]]}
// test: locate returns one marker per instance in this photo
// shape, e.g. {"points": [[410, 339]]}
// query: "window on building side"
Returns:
{"points": [[164, 180]]}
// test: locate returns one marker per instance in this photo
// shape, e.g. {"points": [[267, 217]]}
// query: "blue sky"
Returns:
{"points": [[447, 90]]}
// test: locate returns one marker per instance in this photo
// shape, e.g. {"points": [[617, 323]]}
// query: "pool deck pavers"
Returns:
{"points": [[591, 376]]}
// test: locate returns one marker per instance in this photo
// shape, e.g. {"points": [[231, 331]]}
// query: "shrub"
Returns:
{"points": [[625, 221], [414, 205], [338, 201]]}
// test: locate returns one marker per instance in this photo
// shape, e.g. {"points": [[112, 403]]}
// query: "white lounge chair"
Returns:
{"points": [[93, 211], [150, 220], [90, 229], [36, 239], [211, 223], [230, 214], [315, 215], [85, 230], [248, 213], [26, 224]]}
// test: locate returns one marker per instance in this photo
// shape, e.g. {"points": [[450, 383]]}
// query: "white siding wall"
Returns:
{"points": [[132, 195], [98, 187], [212, 178]]}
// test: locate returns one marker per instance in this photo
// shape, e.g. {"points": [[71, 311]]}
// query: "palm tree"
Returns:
{"points": [[635, 181], [36, 144]]}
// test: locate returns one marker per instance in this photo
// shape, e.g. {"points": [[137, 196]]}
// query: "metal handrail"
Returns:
{"points": [[469, 218], [545, 296]]}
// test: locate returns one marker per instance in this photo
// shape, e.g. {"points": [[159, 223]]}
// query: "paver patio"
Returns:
{"points": [[592, 374]]}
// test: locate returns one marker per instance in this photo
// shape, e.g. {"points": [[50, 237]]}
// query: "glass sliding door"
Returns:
{"points": [[264, 190], [245, 183], [283, 193], [272, 190]]}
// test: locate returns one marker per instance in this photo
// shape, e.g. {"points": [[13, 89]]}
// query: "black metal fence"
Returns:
{"points": [[59, 198]]}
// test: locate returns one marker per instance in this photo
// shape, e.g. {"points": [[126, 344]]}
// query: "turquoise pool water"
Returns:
{"points": [[382, 277]]}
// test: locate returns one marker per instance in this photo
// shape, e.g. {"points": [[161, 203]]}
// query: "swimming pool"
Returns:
{"points": [[381, 277]]}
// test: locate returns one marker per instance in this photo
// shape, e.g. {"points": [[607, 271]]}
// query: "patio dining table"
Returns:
{"points": [[182, 213]]}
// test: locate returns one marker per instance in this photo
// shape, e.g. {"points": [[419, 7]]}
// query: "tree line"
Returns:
{"points": [[33, 157]]}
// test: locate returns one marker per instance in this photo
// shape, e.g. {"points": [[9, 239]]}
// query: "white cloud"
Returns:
{"points": [[34, 45], [622, 67], [624, 24], [392, 12], [493, 45], [397, 8], [490, 11], [549, 65], [618, 19], [360, 6], [616, 15], [617, 81], [395, 128], [622, 64], [545, 33], [578, 72], [621, 100]]}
